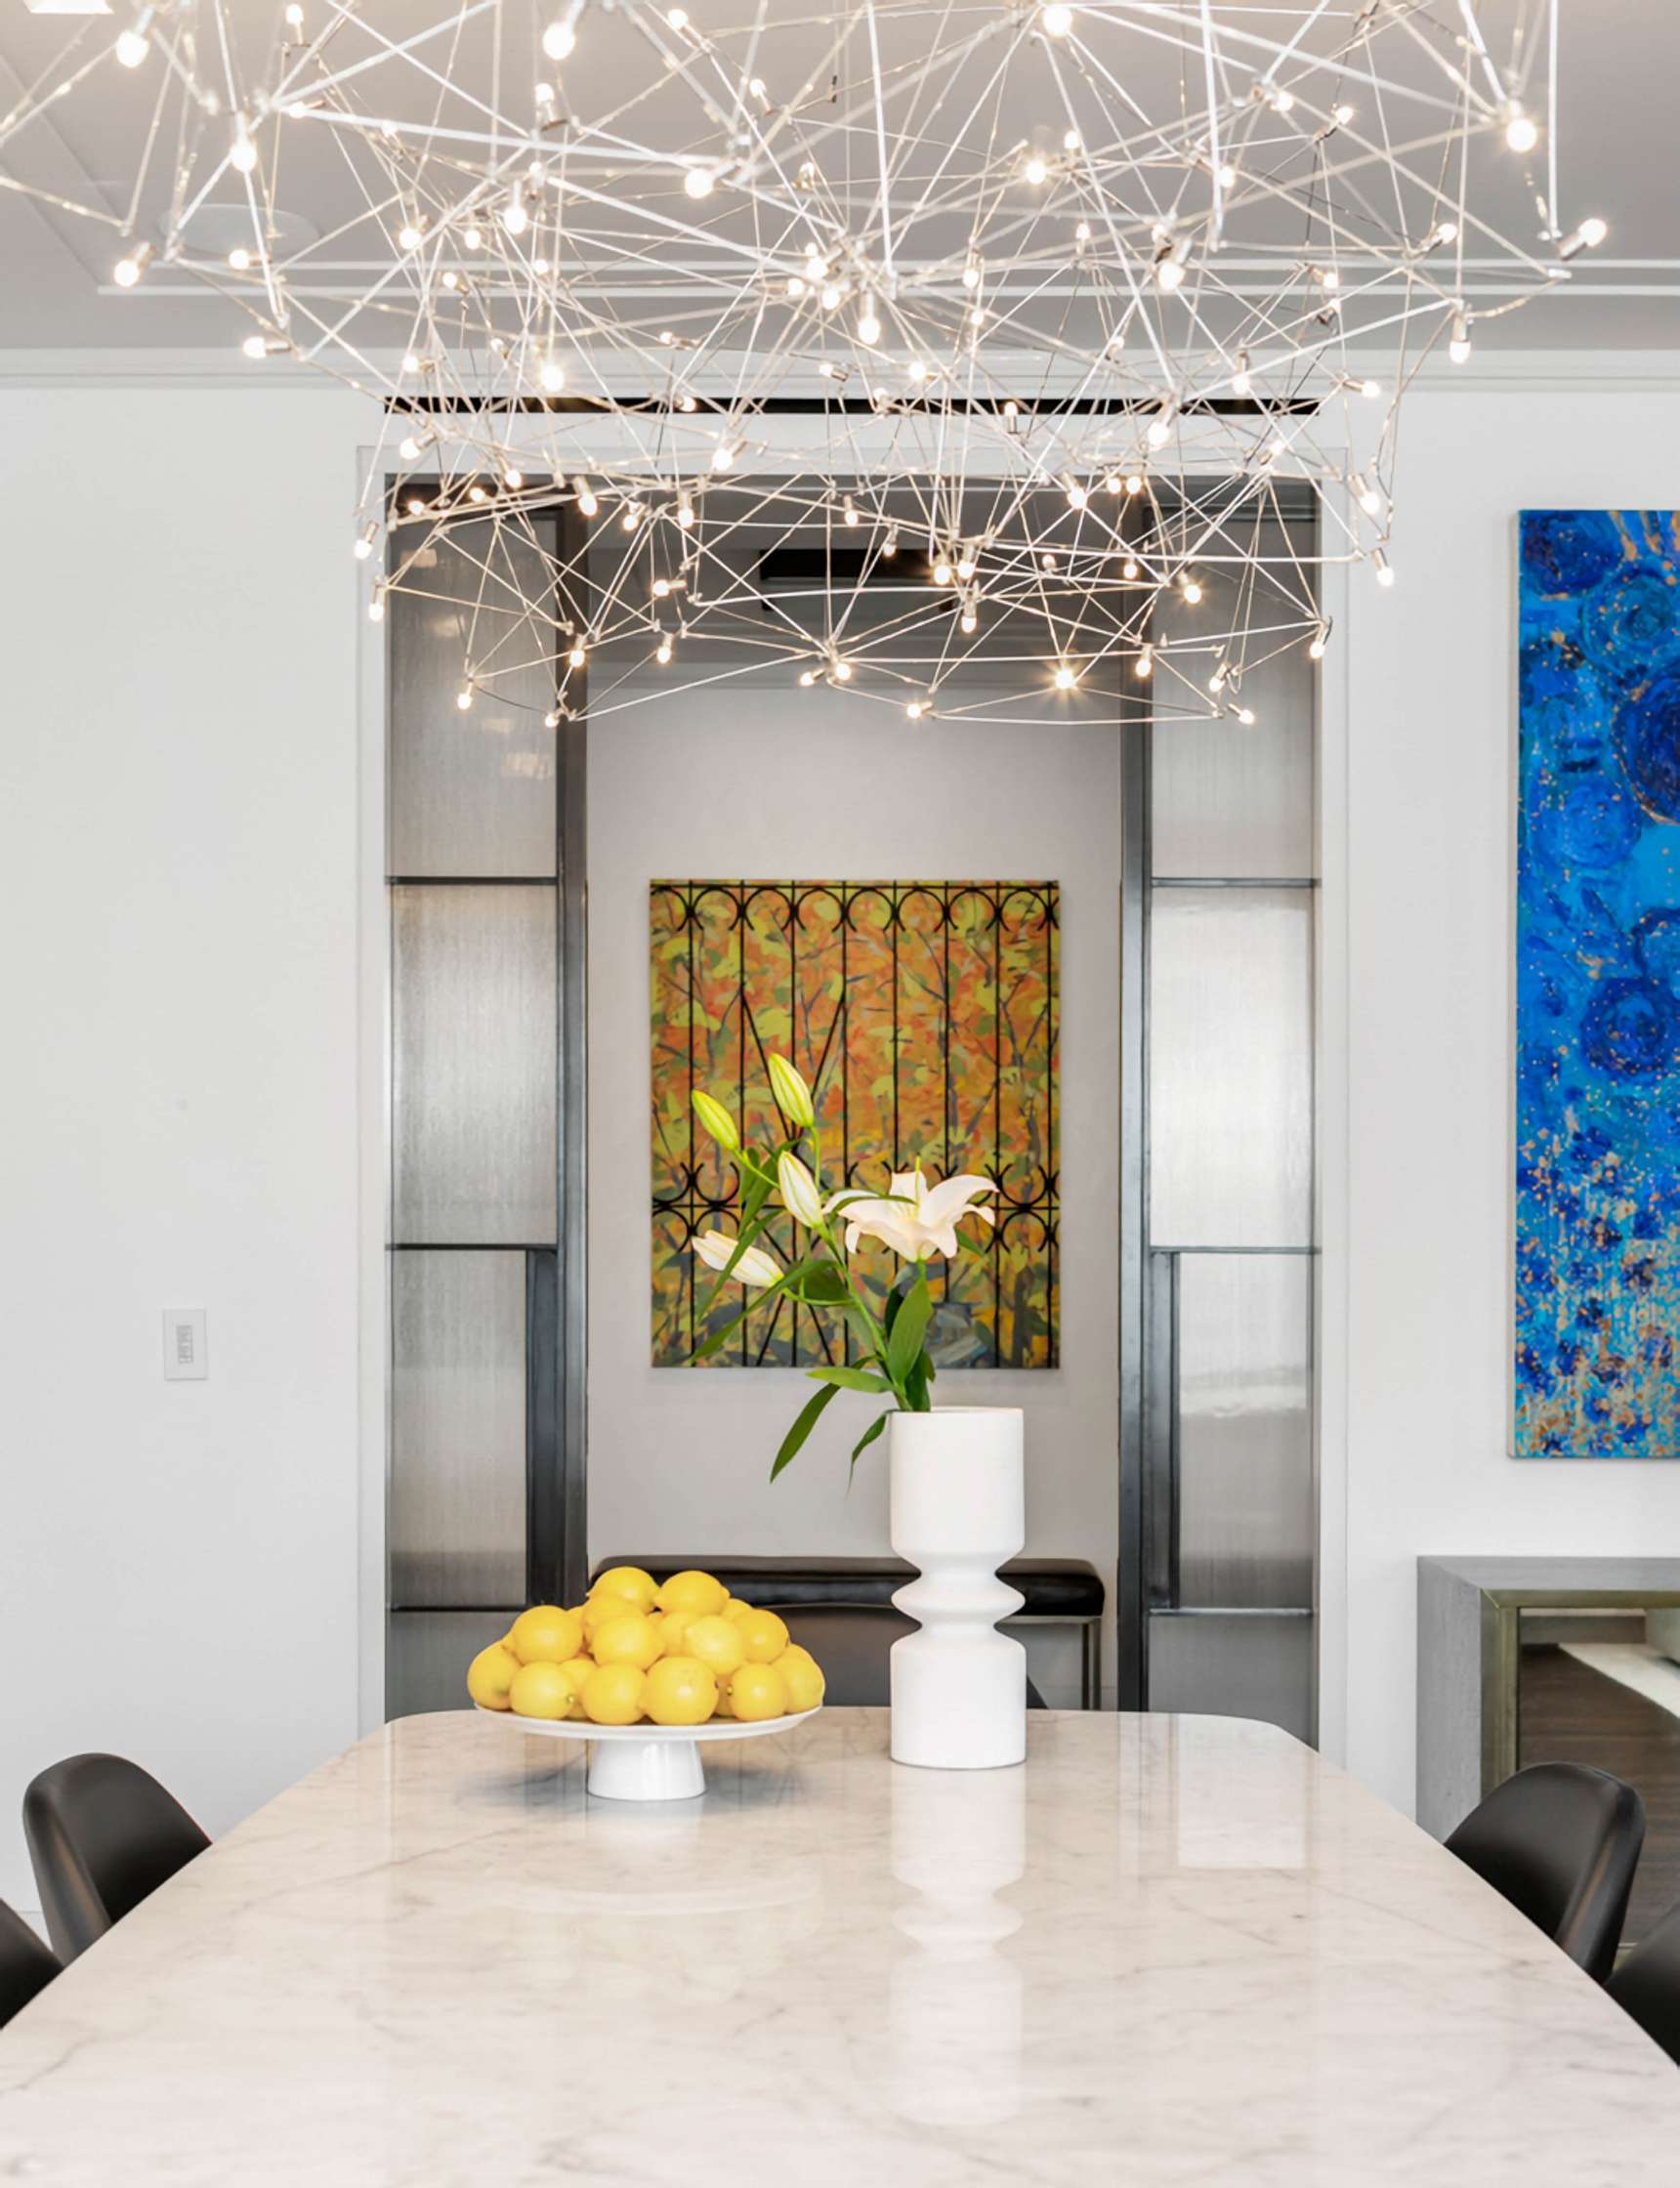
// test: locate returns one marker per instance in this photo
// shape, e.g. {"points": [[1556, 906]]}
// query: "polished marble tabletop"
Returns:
{"points": [[1169, 1949]]}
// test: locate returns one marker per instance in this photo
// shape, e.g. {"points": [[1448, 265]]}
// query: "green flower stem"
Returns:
{"points": [[825, 1232]]}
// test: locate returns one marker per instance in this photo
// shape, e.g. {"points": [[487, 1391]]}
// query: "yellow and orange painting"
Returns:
{"points": [[924, 1016]]}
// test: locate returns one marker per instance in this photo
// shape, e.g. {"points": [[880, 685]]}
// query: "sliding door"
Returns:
{"points": [[483, 855]]}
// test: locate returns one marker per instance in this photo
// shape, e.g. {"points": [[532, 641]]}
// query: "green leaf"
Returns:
{"points": [[825, 1286], [910, 1326], [850, 1379], [715, 1337], [864, 1440], [917, 1381], [809, 1415]]}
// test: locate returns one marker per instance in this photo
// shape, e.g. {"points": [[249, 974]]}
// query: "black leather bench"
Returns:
{"points": [[1058, 1590]]}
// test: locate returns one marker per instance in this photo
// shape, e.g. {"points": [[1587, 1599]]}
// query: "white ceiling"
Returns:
{"points": [[1620, 60]]}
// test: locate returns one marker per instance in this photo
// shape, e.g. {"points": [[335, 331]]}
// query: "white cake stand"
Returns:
{"points": [[646, 1762]]}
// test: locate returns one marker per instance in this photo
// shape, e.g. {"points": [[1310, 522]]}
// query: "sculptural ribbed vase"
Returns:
{"points": [[959, 1511]]}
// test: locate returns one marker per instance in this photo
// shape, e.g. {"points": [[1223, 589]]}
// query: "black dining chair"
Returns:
{"points": [[26, 1966], [852, 1642], [1561, 1842], [1646, 1984], [102, 1836]]}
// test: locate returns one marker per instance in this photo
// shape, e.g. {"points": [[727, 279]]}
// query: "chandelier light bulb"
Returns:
{"points": [[1134, 479], [1144, 665], [1036, 170], [1320, 641], [1240, 382], [1077, 495], [686, 515], [965, 568], [663, 652], [464, 698], [1458, 349], [1245, 715], [411, 238], [588, 504], [552, 376], [698, 182], [1192, 591], [376, 609], [515, 219], [559, 41], [1521, 134], [915, 710], [244, 150], [842, 672], [970, 622], [1057, 22], [256, 348], [869, 328], [127, 270], [132, 47], [363, 546], [577, 656], [1383, 566], [1066, 677]]}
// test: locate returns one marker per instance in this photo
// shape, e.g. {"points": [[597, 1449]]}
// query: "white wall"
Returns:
{"points": [[178, 878], [1431, 721], [178, 1118], [679, 1459]]}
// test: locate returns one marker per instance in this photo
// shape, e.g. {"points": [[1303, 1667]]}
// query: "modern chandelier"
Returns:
{"points": [[966, 356]]}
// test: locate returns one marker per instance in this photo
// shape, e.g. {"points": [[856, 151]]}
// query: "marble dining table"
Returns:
{"points": [[1166, 1950]]}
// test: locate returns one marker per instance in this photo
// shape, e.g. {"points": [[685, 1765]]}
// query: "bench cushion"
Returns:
{"points": [[1054, 1587]]}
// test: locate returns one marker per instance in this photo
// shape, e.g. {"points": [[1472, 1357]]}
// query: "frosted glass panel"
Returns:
{"points": [[474, 1064], [1239, 1665], [472, 792], [1228, 799], [457, 1509], [1244, 1431], [1230, 1067]]}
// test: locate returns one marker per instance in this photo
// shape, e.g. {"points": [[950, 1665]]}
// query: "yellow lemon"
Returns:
{"points": [[758, 1691], [725, 1707], [627, 1581], [680, 1690], [734, 1609], [578, 1670], [601, 1610], [693, 1591], [763, 1636], [546, 1634], [491, 1674], [674, 1630], [717, 1643], [542, 1690], [612, 1693], [628, 1639], [802, 1677]]}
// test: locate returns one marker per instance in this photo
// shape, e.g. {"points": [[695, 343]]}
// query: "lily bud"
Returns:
{"points": [[798, 1187], [792, 1095], [754, 1268], [716, 1119]]}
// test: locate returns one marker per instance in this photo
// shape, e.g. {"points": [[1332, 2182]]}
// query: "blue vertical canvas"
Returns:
{"points": [[1598, 987]]}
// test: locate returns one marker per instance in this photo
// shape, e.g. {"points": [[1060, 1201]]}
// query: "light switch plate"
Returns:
{"points": [[185, 1347]]}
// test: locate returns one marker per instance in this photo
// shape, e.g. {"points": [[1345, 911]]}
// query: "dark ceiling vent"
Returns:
{"points": [[839, 568]]}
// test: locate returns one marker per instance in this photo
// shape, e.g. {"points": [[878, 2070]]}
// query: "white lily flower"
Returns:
{"points": [[920, 1219], [755, 1266], [798, 1189]]}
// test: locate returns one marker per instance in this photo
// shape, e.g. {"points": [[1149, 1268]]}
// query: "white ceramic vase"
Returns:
{"points": [[958, 1511]]}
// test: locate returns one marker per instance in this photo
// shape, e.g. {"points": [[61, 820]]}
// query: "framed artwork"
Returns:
{"points": [[1597, 1262], [924, 1016]]}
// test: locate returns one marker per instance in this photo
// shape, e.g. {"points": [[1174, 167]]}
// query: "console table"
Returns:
{"points": [[1469, 1639]]}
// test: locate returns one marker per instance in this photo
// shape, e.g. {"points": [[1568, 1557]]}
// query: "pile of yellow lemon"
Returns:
{"points": [[679, 1654]]}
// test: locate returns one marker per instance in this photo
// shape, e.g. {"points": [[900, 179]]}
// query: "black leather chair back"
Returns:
{"points": [[102, 1836], [1561, 1842], [852, 1642], [26, 1964], [1647, 1984]]}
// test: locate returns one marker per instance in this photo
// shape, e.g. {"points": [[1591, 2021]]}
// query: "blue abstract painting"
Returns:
{"points": [[1598, 987]]}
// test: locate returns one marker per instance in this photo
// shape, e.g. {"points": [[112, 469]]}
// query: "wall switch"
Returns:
{"points": [[185, 1348]]}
